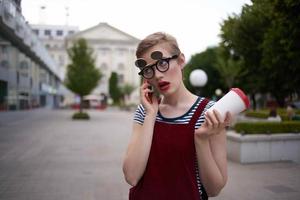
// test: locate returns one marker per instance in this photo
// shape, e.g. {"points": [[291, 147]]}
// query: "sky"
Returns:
{"points": [[195, 23]]}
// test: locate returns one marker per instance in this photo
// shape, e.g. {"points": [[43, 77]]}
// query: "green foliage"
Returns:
{"points": [[82, 75], [127, 89], [265, 36], [281, 46], [257, 114], [228, 68], [264, 114], [267, 127], [205, 61], [114, 89], [242, 35], [81, 115]]}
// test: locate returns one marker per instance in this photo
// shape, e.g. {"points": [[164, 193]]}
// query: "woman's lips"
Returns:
{"points": [[164, 85]]}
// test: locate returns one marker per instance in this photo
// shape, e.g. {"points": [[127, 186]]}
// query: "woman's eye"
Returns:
{"points": [[162, 63], [148, 71]]}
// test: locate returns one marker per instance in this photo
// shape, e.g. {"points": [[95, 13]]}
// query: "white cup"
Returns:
{"points": [[235, 101]]}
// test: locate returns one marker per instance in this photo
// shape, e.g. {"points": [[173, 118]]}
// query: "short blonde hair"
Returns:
{"points": [[157, 38]]}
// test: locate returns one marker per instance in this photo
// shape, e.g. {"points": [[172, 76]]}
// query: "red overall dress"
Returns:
{"points": [[171, 169]]}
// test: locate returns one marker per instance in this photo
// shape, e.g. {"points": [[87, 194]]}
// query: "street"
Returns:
{"points": [[44, 155]]}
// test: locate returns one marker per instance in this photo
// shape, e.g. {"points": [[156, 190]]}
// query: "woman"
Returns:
{"points": [[175, 151]]}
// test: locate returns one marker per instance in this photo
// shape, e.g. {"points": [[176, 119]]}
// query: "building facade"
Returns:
{"points": [[53, 38], [114, 51], [29, 77]]}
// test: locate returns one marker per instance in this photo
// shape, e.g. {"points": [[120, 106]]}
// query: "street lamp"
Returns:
{"points": [[198, 78], [218, 93]]}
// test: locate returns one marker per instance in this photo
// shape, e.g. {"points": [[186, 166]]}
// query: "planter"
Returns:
{"points": [[263, 147]]}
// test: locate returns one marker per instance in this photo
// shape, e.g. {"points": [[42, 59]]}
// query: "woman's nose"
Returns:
{"points": [[158, 74]]}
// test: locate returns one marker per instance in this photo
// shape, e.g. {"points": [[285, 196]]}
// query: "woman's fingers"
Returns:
{"points": [[213, 119], [228, 119], [218, 116]]}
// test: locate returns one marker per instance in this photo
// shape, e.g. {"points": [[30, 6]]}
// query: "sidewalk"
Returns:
{"points": [[265, 181], [44, 155]]}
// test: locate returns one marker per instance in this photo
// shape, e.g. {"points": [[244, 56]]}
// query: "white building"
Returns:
{"points": [[28, 75], [114, 51], [53, 37]]}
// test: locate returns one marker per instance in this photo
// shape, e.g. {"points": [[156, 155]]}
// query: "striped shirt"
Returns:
{"points": [[139, 117]]}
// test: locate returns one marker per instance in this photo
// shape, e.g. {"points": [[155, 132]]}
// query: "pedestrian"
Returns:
{"points": [[273, 116], [176, 151]]}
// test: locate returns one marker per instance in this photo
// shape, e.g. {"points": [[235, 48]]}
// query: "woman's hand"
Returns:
{"points": [[149, 101], [213, 124]]}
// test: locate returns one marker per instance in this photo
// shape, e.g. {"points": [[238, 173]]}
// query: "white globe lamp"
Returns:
{"points": [[218, 92], [198, 78]]}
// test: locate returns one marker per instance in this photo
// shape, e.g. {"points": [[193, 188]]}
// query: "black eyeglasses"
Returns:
{"points": [[161, 65]]}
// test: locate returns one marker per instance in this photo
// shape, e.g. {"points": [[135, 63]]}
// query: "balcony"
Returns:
{"points": [[15, 29]]}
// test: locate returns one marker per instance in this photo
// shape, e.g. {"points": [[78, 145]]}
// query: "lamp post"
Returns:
{"points": [[218, 93], [198, 78]]}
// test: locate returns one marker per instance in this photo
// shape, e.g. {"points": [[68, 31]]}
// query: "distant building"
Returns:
{"points": [[114, 51], [53, 38], [28, 75]]}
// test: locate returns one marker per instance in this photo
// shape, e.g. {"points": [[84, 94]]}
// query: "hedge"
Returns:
{"points": [[264, 114], [267, 127], [80, 115]]}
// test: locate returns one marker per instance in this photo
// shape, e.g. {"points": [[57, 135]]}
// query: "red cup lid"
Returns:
{"points": [[243, 96]]}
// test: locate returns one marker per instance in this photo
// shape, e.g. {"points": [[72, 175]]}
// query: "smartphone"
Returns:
{"points": [[154, 91]]}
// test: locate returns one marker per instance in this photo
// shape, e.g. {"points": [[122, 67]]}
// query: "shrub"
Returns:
{"points": [[267, 127], [264, 114], [257, 114], [81, 115]]}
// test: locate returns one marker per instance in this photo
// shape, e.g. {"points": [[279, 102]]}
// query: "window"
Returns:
{"points": [[36, 31], [104, 51], [31, 82], [24, 74], [104, 67], [61, 59], [18, 78], [121, 66], [4, 50], [120, 78], [59, 32], [23, 65], [47, 32], [71, 32], [4, 64], [121, 51]]}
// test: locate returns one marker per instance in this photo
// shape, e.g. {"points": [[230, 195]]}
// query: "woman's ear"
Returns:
{"points": [[181, 60]]}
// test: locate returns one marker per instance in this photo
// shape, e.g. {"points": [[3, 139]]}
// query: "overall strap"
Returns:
{"points": [[198, 111]]}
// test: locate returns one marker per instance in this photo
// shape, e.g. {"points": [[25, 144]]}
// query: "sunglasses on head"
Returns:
{"points": [[161, 64]]}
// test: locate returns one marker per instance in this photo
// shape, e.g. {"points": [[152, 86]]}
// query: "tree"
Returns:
{"points": [[266, 37], [281, 49], [114, 89], [82, 75], [229, 68], [126, 90], [205, 61], [242, 36]]}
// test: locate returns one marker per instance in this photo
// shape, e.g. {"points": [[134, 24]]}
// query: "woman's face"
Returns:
{"points": [[169, 81]]}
